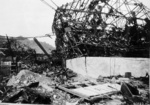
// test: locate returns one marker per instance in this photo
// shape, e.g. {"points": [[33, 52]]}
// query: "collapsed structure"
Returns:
{"points": [[88, 28], [102, 28]]}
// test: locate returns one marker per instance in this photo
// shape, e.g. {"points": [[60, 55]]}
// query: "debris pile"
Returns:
{"points": [[28, 87], [83, 28], [35, 88]]}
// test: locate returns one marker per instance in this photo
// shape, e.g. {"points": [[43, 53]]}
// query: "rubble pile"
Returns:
{"points": [[83, 28], [48, 88]]}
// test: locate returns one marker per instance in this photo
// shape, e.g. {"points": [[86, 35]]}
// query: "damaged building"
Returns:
{"points": [[101, 58], [104, 37]]}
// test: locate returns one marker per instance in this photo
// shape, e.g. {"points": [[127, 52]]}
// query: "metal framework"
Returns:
{"points": [[102, 28]]}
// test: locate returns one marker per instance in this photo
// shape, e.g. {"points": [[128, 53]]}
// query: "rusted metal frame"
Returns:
{"points": [[68, 54], [70, 7], [80, 18], [77, 4], [76, 45], [118, 7], [143, 15], [86, 3], [79, 15], [84, 16], [133, 1], [114, 3], [73, 48], [76, 10], [54, 3], [116, 10], [98, 12], [126, 14], [114, 21], [80, 3], [84, 7], [139, 11], [75, 14], [132, 10], [48, 5], [128, 9], [72, 4], [76, 7], [102, 12], [130, 3], [146, 8], [148, 15]]}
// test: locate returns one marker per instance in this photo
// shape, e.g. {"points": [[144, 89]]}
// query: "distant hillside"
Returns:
{"points": [[30, 43], [33, 45]]}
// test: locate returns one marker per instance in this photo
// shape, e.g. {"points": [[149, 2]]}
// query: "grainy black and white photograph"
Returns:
{"points": [[74, 52]]}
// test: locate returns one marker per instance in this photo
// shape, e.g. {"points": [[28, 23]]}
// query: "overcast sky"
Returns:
{"points": [[30, 17]]}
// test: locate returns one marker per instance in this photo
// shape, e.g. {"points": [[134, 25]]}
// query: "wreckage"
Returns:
{"points": [[88, 28], [29, 87], [102, 28]]}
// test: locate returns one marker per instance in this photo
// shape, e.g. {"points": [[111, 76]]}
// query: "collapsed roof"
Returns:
{"points": [[102, 28]]}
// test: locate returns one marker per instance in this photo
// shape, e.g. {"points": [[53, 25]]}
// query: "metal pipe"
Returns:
{"points": [[42, 48]]}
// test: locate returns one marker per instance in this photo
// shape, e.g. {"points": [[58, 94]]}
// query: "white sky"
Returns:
{"points": [[30, 17]]}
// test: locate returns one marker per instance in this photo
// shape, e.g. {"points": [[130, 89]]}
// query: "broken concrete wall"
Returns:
{"points": [[77, 65], [107, 66]]}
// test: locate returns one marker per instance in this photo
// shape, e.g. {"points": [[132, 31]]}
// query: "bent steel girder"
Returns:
{"points": [[105, 26]]}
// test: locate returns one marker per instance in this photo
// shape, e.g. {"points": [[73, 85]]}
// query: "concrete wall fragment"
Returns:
{"points": [[107, 66]]}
